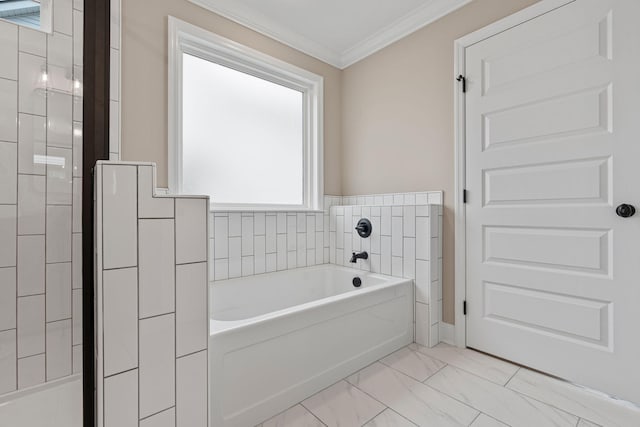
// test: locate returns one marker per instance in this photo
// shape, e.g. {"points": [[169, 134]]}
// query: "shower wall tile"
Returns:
{"points": [[7, 298], [8, 357], [77, 206], [31, 265], [76, 261], [40, 153], [8, 171], [77, 29], [32, 41], [8, 235], [31, 204], [31, 325], [31, 371], [62, 12], [115, 87], [59, 176], [76, 316], [59, 362], [59, 224], [408, 224], [8, 110], [58, 292], [32, 84], [8, 368], [77, 359], [8, 48], [152, 316], [32, 134]]}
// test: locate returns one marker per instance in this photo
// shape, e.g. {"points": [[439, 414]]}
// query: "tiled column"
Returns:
{"points": [[152, 302]]}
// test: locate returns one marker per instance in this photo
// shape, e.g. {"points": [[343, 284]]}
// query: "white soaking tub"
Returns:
{"points": [[278, 338]]}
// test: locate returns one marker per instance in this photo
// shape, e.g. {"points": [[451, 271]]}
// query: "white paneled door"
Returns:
{"points": [[552, 149]]}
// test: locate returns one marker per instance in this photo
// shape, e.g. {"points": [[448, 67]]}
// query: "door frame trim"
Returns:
{"points": [[460, 45]]}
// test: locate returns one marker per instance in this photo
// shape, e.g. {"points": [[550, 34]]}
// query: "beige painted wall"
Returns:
{"points": [[388, 118], [397, 117], [144, 80]]}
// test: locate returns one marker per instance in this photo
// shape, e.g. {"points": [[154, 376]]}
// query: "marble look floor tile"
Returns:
{"points": [[413, 363], [420, 404], [484, 420], [297, 416], [499, 402], [492, 369], [343, 405], [582, 402], [389, 419]]}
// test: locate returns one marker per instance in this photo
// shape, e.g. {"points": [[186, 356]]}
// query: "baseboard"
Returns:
{"points": [[447, 333]]}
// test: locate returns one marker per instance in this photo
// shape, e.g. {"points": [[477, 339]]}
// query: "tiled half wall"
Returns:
{"points": [[40, 207], [151, 302]]}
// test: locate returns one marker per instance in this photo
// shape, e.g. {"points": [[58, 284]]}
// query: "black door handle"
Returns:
{"points": [[625, 211]]}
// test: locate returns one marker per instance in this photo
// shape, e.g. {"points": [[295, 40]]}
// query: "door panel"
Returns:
{"points": [[552, 145]]}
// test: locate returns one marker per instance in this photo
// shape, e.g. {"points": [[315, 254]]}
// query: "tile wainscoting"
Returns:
{"points": [[151, 300], [248, 243]]}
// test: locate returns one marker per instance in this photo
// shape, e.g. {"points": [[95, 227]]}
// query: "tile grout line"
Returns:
{"points": [[502, 386], [311, 412]]}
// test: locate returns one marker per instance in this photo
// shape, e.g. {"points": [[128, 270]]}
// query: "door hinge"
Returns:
{"points": [[464, 307], [464, 196], [462, 79]]}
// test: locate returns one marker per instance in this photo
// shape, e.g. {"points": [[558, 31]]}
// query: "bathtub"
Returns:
{"points": [[278, 338]]}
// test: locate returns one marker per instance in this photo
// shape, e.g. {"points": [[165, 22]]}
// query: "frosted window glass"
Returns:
{"points": [[242, 136]]}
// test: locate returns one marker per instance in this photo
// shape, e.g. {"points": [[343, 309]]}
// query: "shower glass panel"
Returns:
{"points": [[40, 214]]}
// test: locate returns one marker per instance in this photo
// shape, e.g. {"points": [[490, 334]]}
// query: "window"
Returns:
{"points": [[30, 13], [244, 128]]}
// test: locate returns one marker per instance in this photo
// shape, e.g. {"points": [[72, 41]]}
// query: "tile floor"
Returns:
{"points": [[447, 386]]}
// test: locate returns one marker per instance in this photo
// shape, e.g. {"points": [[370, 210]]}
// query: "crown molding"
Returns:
{"points": [[411, 22], [263, 25]]}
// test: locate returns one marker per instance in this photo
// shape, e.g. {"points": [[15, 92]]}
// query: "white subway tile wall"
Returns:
{"points": [[152, 294], [249, 243], [40, 212]]}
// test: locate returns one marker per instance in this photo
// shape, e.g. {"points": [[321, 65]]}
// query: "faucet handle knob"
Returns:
{"points": [[364, 228]]}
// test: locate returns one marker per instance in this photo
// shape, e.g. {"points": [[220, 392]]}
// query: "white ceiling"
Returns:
{"points": [[339, 32]]}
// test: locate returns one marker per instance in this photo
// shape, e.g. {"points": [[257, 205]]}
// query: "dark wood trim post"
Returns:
{"points": [[95, 146]]}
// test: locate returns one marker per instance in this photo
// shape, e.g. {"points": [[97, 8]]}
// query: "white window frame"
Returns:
{"points": [[187, 38]]}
